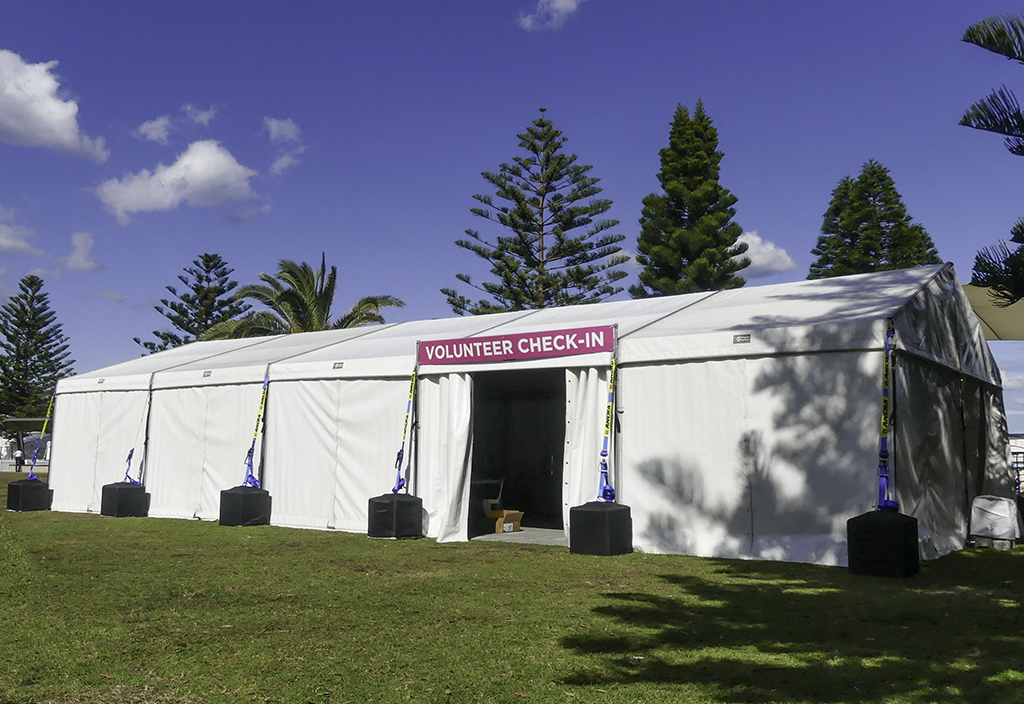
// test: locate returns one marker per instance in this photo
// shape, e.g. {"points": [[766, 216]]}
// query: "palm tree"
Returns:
{"points": [[999, 112], [298, 299]]}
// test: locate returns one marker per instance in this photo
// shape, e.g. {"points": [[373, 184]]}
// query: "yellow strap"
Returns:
{"points": [[46, 422], [259, 414], [408, 408], [611, 404], [885, 388]]}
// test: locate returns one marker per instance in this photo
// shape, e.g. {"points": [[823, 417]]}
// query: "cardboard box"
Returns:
{"points": [[506, 521]]}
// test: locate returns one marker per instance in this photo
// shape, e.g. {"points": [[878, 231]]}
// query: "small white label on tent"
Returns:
{"points": [[206, 374], [339, 365], [101, 381], [741, 339]]}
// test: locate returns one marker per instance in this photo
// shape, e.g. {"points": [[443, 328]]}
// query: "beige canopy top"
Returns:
{"points": [[996, 322]]}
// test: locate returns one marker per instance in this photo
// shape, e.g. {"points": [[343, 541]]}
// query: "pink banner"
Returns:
{"points": [[527, 345]]}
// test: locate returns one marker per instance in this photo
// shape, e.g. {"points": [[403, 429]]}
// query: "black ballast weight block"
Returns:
{"points": [[883, 544], [395, 516], [600, 528], [124, 499], [29, 495], [244, 506]]}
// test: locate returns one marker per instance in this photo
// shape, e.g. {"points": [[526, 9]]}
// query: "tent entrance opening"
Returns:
{"points": [[518, 435]]}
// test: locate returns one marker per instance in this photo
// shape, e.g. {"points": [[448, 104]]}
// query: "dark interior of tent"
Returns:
{"points": [[518, 438]]}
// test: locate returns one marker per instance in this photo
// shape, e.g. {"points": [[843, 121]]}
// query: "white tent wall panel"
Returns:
{"points": [[229, 425], [74, 456], [108, 425], [681, 426], [931, 474], [371, 413], [586, 401], [199, 438], [810, 451], [331, 446], [999, 477], [763, 458], [444, 454], [175, 453], [302, 439], [972, 401]]}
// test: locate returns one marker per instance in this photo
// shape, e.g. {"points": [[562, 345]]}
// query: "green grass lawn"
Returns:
{"points": [[96, 609]]}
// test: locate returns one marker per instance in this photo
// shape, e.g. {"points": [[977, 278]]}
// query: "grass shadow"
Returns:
{"points": [[759, 631]]}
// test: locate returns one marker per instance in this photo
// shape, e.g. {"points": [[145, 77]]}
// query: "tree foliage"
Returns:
{"points": [[999, 112], [556, 250], [298, 299], [35, 351], [1000, 267], [206, 302], [866, 228], [688, 241]]}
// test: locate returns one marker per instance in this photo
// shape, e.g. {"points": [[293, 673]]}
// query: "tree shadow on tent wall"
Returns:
{"points": [[805, 454], [805, 460], [755, 631]]}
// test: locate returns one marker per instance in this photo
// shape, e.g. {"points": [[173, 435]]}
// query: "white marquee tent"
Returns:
{"points": [[746, 421]]}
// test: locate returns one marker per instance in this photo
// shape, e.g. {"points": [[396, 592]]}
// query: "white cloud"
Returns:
{"points": [[283, 163], [204, 174], [32, 115], [247, 215], [46, 273], [632, 265], [549, 14], [154, 130], [81, 258], [14, 238], [282, 130], [766, 258], [287, 135], [112, 295], [200, 117], [1012, 379]]}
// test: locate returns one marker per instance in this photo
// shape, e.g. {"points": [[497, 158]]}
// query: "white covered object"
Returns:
{"points": [[995, 517]]}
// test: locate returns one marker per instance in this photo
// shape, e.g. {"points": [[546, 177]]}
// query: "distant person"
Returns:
{"points": [[19, 460]]}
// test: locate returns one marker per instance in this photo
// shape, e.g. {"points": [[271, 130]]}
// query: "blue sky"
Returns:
{"points": [[135, 136]]}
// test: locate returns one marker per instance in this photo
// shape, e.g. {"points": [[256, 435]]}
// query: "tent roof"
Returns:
{"points": [[250, 363], [24, 425], [839, 313]]}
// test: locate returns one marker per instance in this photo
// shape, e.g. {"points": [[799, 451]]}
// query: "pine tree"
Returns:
{"points": [[1000, 267], [866, 228], [206, 303], [34, 350], [999, 112], [688, 241], [556, 251]]}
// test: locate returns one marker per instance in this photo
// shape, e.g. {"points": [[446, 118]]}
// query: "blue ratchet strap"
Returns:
{"points": [[142, 420], [128, 471], [35, 453], [250, 477], [884, 502], [400, 480], [607, 491]]}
